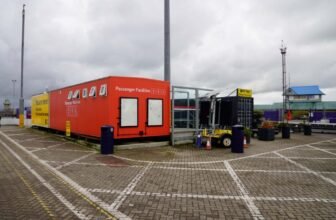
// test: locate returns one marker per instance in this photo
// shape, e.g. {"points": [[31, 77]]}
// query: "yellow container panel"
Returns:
{"points": [[40, 110]]}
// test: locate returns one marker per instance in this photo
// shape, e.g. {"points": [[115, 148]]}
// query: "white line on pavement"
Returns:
{"points": [[74, 161], [272, 171], [69, 205], [72, 183], [287, 148], [260, 198], [129, 188], [307, 169], [313, 158], [64, 150], [305, 158], [189, 168], [244, 192], [55, 145], [32, 139], [113, 191], [18, 134], [10, 130], [324, 150], [217, 161], [219, 197]]}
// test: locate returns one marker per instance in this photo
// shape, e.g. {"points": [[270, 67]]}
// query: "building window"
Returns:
{"points": [[70, 95], [84, 93], [76, 94], [92, 91], [103, 90]]}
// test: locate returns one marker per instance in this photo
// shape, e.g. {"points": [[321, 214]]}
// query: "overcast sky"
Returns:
{"points": [[216, 44]]}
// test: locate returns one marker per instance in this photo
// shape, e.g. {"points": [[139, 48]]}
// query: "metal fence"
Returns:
{"points": [[185, 113]]}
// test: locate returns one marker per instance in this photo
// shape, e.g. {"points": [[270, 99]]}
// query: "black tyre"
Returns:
{"points": [[226, 140]]}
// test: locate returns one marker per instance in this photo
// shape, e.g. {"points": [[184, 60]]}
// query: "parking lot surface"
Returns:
{"points": [[44, 176]]}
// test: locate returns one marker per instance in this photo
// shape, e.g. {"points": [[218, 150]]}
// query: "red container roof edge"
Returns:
{"points": [[108, 77]]}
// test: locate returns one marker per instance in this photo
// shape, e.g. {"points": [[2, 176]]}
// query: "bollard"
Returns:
{"points": [[199, 141], [237, 139], [307, 130]]}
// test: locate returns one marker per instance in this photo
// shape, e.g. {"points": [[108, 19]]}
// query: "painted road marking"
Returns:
{"points": [[68, 204], [219, 197], [216, 161], [32, 139], [244, 192], [305, 158], [113, 191], [74, 161], [195, 169], [29, 186], [17, 134], [65, 150], [324, 150], [313, 158], [189, 168], [129, 188], [307, 169], [91, 199]]}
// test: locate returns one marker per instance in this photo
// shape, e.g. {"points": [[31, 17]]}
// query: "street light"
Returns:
{"points": [[21, 119], [13, 81], [166, 41]]}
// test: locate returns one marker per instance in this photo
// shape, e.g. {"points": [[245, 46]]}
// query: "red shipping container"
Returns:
{"points": [[135, 107]]}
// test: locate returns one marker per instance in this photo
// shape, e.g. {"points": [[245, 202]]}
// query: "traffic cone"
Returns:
{"points": [[245, 143], [208, 144]]}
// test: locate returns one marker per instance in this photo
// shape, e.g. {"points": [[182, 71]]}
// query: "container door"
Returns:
{"points": [[129, 117], [154, 112], [128, 112]]}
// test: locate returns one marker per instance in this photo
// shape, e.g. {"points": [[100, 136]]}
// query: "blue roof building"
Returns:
{"points": [[304, 94]]}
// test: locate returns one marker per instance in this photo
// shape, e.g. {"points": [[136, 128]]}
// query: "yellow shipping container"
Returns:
{"points": [[40, 110]]}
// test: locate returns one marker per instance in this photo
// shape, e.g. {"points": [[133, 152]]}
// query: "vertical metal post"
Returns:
{"points": [[172, 117], [188, 110], [166, 41], [197, 109], [13, 81], [21, 119], [284, 86]]}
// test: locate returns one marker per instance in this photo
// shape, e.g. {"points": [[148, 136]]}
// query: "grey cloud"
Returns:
{"points": [[214, 44]]}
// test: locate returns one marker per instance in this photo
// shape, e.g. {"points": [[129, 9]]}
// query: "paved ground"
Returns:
{"points": [[43, 176]]}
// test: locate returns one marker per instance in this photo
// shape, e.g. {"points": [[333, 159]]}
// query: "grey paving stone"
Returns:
{"points": [[182, 183], [275, 164], [102, 177], [61, 156], [183, 208], [287, 185], [306, 152], [296, 210], [188, 182]]}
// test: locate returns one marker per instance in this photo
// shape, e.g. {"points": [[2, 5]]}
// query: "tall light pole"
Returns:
{"points": [[21, 119], [283, 51], [13, 81], [166, 41]]}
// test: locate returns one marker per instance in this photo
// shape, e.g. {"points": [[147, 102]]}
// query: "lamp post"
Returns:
{"points": [[13, 81], [166, 41], [283, 50], [21, 119]]}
